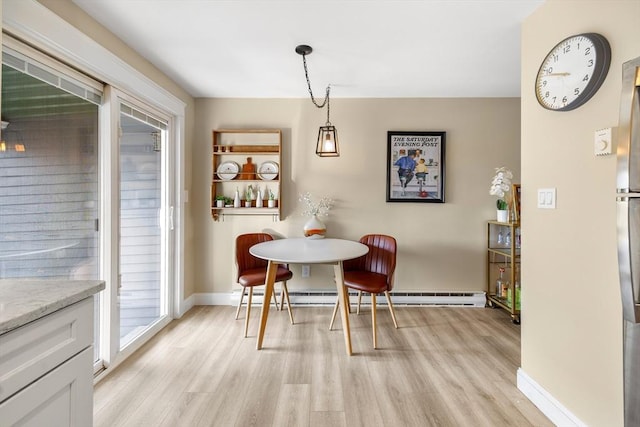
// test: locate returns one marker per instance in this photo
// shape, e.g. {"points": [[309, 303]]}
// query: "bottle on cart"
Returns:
{"points": [[500, 283], [506, 288], [500, 239], [507, 239]]}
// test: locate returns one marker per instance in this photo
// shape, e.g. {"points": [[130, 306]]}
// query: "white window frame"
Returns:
{"points": [[30, 21], [117, 98]]}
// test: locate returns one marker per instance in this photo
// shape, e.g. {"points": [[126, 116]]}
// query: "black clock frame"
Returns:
{"points": [[603, 61]]}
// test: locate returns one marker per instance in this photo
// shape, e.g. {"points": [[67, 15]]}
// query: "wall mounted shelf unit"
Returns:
{"points": [[243, 158]]}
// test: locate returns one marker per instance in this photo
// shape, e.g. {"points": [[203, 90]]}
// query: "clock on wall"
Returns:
{"points": [[573, 71]]}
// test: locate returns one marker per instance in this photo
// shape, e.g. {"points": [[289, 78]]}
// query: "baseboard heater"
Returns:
{"points": [[418, 299]]}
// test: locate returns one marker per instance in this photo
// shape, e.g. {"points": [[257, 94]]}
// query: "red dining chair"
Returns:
{"points": [[252, 272], [372, 273]]}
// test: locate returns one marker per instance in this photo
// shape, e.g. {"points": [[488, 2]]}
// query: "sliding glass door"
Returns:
{"points": [[86, 193], [143, 209]]}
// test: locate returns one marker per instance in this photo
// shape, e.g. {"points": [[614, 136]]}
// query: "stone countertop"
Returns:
{"points": [[25, 300]]}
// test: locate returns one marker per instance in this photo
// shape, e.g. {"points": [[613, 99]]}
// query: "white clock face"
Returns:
{"points": [[570, 74]]}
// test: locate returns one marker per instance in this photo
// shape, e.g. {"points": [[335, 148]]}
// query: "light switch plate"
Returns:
{"points": [[602, 143], [546, 198]]}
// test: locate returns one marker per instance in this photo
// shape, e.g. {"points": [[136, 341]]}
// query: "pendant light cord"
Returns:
{"points": [[326, 97]]}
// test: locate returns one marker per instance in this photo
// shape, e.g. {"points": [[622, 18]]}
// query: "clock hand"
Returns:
{"points": [[559, 74]]}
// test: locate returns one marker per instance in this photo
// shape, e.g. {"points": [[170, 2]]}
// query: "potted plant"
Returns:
{"points": [[271, 202], [220, 201], [248, 197], [500, 186]]}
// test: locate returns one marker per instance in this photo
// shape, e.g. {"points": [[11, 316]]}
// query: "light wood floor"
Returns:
{"points": [[442, 367]]}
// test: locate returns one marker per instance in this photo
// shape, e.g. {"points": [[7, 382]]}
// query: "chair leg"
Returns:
{"points": [[359, 300], [282, 298], [390, 304], [275, 301], [240, 304], [333, 316], [373, 320], [246, 321], [285, 292]]}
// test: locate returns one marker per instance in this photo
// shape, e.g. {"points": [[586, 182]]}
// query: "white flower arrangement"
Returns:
{"points": [[500, 186], [311, 208]]}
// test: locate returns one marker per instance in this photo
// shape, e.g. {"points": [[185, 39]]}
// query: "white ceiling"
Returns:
{"points": [[363, 48]]}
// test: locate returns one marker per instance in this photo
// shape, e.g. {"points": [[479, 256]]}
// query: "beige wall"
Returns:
{"points": [[441, 246], [571, 327]]}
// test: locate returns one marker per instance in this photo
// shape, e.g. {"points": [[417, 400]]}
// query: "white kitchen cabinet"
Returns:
{"points": [[63, 397], [46, 370]]}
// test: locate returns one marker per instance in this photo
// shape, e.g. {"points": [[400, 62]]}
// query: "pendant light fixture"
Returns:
{"points": [[327, 145]]}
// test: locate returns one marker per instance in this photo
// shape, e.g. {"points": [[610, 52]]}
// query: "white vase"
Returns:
{"points": [[314, 228], [236, 199], [259, 199], [502, 216]]}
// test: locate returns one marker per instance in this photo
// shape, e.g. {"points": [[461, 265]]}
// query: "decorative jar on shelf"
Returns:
{"points": [[236, 199], [502, 215], [314, 228]]}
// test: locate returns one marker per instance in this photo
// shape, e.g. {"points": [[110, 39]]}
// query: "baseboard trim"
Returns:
{"points": [[213, 298], [186, 305], [328, 298], [549, 405]]}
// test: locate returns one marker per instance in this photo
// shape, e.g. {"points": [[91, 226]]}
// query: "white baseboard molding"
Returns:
{"points": [[549, 405], [213, 298], [186, 305], [328, 298]]}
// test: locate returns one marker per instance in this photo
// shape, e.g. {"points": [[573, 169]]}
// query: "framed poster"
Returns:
{"points": [[415, 166]]}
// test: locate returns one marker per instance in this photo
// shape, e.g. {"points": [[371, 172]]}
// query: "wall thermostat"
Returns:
{"points": [[602, 142]]}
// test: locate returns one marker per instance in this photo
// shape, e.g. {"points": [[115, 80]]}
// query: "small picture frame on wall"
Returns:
{"points": [[415, 166]]}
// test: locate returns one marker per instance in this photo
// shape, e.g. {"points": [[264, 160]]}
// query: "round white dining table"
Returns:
{"points": [[308, 251]]}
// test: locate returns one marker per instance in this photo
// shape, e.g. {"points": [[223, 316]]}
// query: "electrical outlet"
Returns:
{"points": [[306, 270]]}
